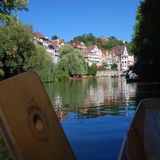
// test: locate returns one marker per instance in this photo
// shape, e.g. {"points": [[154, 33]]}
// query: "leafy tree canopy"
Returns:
{"points": [[54, 37], [112, 42], [8, 9], [92, 70], [65, 49], [90, 39], [72, 62], [18, 53], [42, 63], [145, 41], [15, 48]]}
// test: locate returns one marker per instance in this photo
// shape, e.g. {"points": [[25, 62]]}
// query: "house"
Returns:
{"points": [[131, 60], [120, 57], [41, 39], [56, 45], [82, 48], [94, 55], [103, 39], [58, 42], [107, 58], [51, 46]]}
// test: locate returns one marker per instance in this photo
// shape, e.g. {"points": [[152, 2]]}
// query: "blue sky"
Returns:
{"points": [[70, 18]]}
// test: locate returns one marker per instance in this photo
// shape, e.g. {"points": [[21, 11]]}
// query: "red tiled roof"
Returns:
{"points": [[118, 51], [105, 52], [57, 41], [91, 47], [77, 44], [54, 41]]}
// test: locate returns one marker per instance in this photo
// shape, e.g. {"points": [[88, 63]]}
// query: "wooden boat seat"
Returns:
{"points": [[28, 121], [143, 139]]}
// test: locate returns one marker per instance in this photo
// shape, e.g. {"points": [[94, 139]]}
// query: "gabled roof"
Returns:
{"points": [[105, 52], [103, 39], [91, 47], [57, 41], [76, 44], [38, 35], [118, 51]]}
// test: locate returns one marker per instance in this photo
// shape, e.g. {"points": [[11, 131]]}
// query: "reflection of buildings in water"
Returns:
{"points": [[58, 108], [111, 91], [62, 115], [105, 92], [96, 95], [126, 91], [58, 102]]}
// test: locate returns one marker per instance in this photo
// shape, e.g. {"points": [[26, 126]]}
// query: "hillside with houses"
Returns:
{"points": [[117, 57]]}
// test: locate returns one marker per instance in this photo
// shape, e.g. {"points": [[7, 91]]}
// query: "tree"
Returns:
{"points": [[92, 70], [65, 49], [18, 53], [88, 39], [72, 62], [114, 66], [55, 37], [112, 42], [145, 41], [129, 47], [42, 63], [15, 48], [8, 9]]}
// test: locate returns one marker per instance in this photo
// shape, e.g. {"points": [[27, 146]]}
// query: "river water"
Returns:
{"points": [[95, 114]]}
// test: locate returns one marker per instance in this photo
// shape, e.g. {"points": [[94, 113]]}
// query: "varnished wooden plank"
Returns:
{"points": [[29, 122]]}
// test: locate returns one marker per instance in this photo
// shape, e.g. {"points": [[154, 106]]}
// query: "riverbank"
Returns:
{"points": [[83, 77]]}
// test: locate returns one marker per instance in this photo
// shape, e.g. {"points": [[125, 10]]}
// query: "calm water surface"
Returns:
{"points": [[95, 114]]}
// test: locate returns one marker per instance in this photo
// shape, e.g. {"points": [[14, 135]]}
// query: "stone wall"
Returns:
{"points": [[108, 73]]}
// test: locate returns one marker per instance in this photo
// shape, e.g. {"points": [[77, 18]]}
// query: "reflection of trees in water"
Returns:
{"points": [[69, 94], [147, 90], [62, 115], [105, 111], [85, 96]]}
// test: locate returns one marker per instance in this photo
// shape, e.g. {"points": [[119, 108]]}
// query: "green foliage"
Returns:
{"points": [[72, 62], [42, 63], [61, 75], [112, 42], [65, 49], [92, 70], [102, 68], [8, 9], [15, 48], [114, 66], [129, 48], [145, 41], [54, 37], [68, 95], [18, 53], [90, 39]]}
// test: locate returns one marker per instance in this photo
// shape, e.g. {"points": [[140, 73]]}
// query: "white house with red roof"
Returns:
{"points": [[51, 46], [121, 57], [82, 48], [94, 55], [41, 39], [107, 58]]}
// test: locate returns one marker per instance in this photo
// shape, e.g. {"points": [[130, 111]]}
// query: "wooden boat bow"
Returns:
{"points": [[142, 141]]}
